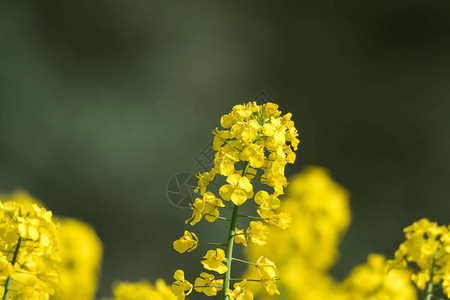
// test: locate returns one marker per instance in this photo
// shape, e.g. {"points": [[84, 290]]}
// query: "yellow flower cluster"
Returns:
{"points": [[143, 291], [252, 150], [78, 253], [29, 254], [81, 254], [427, 246], [321, 213], [372, 281]]}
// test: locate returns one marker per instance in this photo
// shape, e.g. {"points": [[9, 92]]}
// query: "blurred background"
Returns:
{"points": [[103, 102]]}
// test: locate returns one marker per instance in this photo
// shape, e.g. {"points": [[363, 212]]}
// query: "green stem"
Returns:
{"points": [[429, 286], [240, 279], [13, 262], [230, 243], [218, 217], [212, 244], [249, 205], [244, 261], [251, 217]]}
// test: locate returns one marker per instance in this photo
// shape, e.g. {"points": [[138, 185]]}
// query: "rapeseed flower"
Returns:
{"points": [[187, 242], [240, 291], [372, 281], [207, 284], [29, 249], [253, 148], [258, 232], [181, 287], [427, 246], [214, 261], [304, 253], [81, 255], [143, 291]]}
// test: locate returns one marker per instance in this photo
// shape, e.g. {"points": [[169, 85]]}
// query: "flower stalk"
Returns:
{"points": [[13, 262], [429, 287]]}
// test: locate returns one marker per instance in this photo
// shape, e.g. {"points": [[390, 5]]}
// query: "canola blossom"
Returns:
{"points": [[373, 281], [29, 253], [427, 248], [304, 253], [143, 291], [252, 149], [81, 254]]}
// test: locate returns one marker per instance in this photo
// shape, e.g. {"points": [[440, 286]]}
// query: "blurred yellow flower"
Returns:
{"points": [[81, 253], [143, 291], [319, 214], [372, 281]]}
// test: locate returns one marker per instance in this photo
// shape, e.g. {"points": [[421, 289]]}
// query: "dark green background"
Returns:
{"points": [[102, 102]]}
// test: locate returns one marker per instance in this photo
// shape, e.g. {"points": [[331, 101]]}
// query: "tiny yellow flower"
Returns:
{"points": [[240, 291], [238, 190], [205, 207], [269, 273], [266, 267], [267, 201], [254, 154], [203, 180], [239, 236], [187, 242], [282, 220], [258, 232], [214, 261], [207, 285], [181, 287]]}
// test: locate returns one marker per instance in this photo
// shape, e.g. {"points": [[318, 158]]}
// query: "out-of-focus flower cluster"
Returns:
{"points": [[320, 214], [373, 281], [81, 254], [143, 291], [427, 251], [304, 254]]}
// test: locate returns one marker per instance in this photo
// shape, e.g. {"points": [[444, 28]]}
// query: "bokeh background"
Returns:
{"points": [[102, 102]]}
